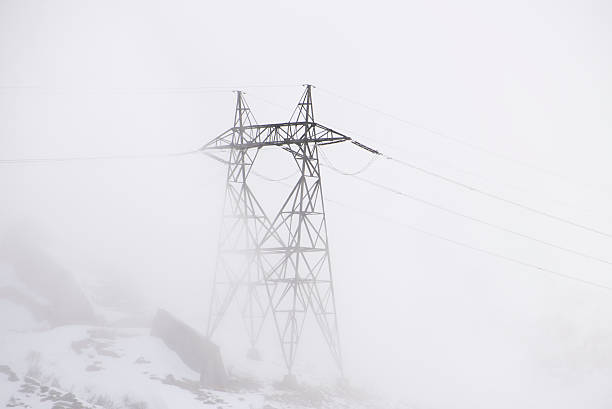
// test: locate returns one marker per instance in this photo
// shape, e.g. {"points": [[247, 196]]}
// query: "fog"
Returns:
{"points": [[514, 98]]}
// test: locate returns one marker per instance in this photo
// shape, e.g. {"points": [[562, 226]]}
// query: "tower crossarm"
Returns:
{"points": [[279, 134]]}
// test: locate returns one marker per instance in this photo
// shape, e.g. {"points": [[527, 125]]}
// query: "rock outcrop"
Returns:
{"points": [[194, 349]]}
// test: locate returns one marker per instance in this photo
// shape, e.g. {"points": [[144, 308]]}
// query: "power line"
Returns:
{"points": [[400, 149], [404, 163], [453, 212], [469, 246], [193, 89], [499, 198], [87, 158], [490, 253], [462, 142], [478, 220], [459, 183], [269, 179], [474, 248], [518, 188], [354, 173], [483, 192]]}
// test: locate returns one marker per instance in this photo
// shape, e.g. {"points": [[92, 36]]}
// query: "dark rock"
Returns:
{"points": [[80, 345], [93, 368], [141, 360], [100, 347], [195, 350], [68, 397], [12, 376], [64, 301], [31, 381], [107, 352]]}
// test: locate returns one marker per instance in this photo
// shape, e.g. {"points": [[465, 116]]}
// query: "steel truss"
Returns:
{"points": [[284, 260]]}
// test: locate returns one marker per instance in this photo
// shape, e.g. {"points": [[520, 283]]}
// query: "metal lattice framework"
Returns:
{"points": [[283, 263]]}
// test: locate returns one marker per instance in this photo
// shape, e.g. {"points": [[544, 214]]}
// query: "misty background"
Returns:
{"points": [[525, 85]]}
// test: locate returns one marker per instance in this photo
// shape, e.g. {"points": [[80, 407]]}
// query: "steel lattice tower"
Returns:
{"points": [[288, 257]]}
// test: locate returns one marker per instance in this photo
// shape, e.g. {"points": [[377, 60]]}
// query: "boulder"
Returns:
{"points": [[50, 291], [194, 349]]}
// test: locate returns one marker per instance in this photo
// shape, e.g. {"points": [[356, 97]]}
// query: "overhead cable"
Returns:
{"points": [[462, 142], [490, 195], [354, 173], [481, 221], [471, 247], [88, 158]]}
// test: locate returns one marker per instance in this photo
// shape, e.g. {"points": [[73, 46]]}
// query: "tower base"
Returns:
{"points": [[289, 382]]}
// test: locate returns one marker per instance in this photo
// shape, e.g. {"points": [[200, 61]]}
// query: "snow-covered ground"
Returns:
{"points": [[115, 366], [97, 367]]}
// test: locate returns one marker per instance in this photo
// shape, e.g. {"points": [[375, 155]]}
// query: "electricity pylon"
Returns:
{"points": [[288, 256]]}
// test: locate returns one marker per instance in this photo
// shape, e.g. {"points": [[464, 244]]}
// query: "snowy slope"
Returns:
{"points": [[46, 363], [94, 367]]}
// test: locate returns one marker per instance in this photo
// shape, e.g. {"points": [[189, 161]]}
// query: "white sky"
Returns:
{"points": [[438, 324]]}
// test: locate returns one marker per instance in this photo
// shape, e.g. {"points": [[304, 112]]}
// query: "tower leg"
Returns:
{"points": [[239, 268]]}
